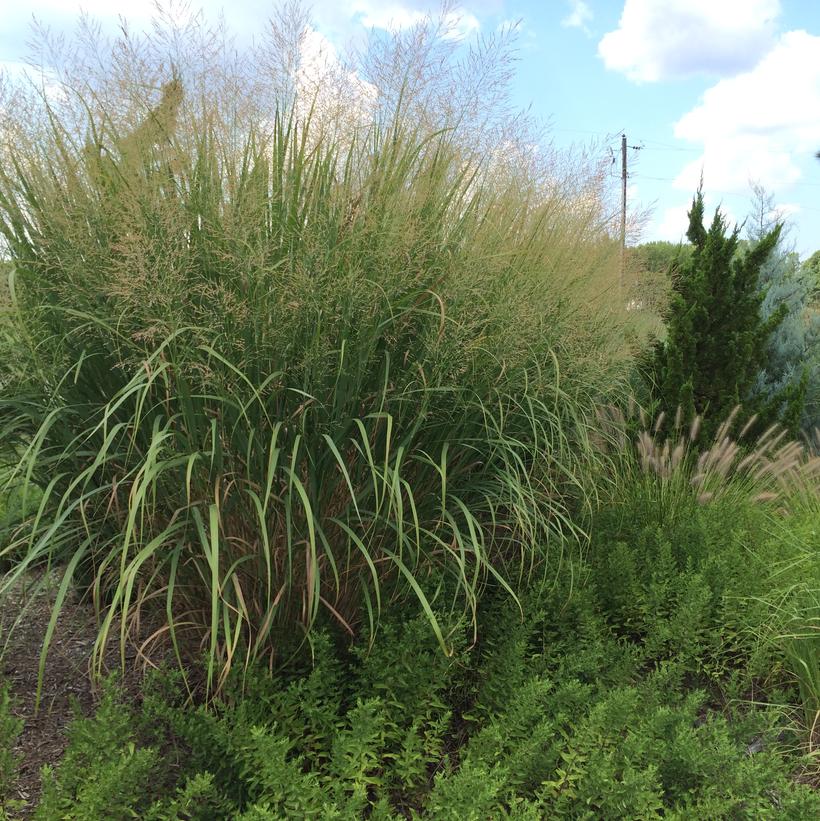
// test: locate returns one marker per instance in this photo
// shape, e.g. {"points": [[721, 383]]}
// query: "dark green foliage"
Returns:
{"points": [[617, 698], [717, 338], [10, 728], [105, 773], [654, 568], [197, 799]]}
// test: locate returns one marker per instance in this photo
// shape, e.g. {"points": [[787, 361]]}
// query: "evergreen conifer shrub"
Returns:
{"points": [[717, 337]]}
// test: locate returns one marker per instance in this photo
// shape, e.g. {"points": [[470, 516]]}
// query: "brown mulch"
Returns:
{"points": [[67, 687]]}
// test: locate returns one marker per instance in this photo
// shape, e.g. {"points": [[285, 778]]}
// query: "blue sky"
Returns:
{"points": [[727, 87]]}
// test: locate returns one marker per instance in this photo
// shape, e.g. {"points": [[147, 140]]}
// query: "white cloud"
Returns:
{"points": [[580, 14], [326, 90], [730, 164], [673, 222], [659, 39], [394, 16], [785, 210], [671, 225], [759, 124]]}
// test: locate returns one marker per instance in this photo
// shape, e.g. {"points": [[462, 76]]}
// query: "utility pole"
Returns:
{"points": [[623, 213]]}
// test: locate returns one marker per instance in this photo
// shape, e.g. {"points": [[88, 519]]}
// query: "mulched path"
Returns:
{"points": [[24, 616]]}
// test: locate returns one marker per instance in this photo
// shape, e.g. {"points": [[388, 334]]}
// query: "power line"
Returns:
{"points": [[659, 146], [652, 145], [729, 193]]}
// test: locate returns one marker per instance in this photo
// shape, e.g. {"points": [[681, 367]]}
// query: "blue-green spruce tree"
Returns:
{"points": [[792, 354]]}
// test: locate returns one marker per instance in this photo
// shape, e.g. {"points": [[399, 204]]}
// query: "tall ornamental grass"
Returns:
{"points": [[670, 468], [266, 373]]}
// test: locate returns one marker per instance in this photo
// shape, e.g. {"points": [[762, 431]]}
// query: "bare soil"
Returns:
{"points": [[67, 688]]}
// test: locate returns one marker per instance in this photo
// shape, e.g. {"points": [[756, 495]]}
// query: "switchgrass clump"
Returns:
{"points": [[270, 373]]}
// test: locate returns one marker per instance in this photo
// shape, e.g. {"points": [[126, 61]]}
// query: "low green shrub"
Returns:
{"points": [[571, 719], [10, 728], [709, 553], [692, 590], [104, 772]]}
